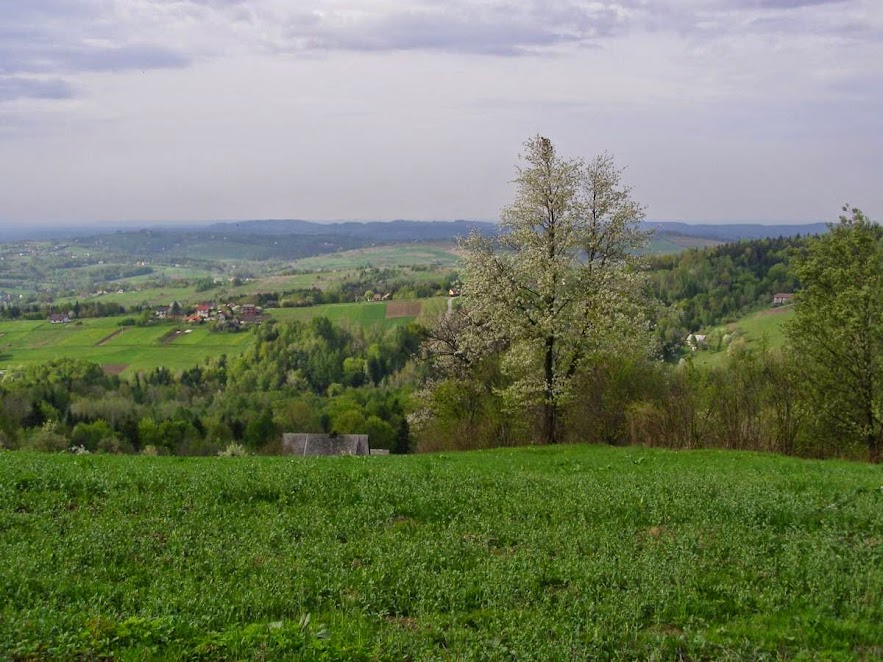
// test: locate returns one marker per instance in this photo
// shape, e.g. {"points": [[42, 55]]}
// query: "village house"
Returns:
{"points": [[59, 318], [248, 312], [697, 341], [204, 310], [782, 298], [162, 312]]}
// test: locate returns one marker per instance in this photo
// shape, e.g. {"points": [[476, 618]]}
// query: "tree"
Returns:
{"points": [[837, 331], [564, 286]]}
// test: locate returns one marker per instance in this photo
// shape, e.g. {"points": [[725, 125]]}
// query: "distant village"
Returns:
{"points": [[224, 315]]}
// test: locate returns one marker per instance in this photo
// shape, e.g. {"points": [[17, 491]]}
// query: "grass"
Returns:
{"points": [[396, 255], [766, 326], [362, 314], [130, 349], [538, 553]]}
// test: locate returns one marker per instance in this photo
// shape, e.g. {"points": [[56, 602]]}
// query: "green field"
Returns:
{"points": [[360, 314], [127, 349], [131, 349], [766, 326], [396, 255], [529, 554]]}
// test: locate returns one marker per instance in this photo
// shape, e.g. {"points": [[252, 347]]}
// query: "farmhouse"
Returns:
{"points": [[306, 444], [204, 310], [59, 318], [782, 298], [697, 341], [248, 312]]}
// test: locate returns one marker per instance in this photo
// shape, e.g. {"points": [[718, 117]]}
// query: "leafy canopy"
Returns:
{"points": [[561, 283]]}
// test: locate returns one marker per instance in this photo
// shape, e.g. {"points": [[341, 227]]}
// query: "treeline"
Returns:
{"points": [[720, 284], [297, 377], [77, 310], [756, 401]]}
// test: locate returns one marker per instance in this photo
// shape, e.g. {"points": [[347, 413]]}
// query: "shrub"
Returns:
{"points": [[234, 450]]}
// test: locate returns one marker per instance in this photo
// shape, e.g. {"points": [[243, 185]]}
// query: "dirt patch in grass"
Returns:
{"points": [[403, 309], [171, 336], [106, 339], [111, 369]]}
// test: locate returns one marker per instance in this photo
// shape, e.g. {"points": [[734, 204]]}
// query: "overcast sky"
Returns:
{"points": [[720, 110]]}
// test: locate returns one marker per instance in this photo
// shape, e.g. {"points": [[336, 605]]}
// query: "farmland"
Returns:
{"points": [[438, 255], [537, 553], [364, 314], [119, 349], [131, 349]]}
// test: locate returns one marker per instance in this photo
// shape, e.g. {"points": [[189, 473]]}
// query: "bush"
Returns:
{"points": [[234, 450], [47, 439]]}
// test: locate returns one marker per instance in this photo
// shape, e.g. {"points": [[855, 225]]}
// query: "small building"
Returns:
{"points": [[162, 312], [204, 310], [59, 318], [782, 298], [248, 312], [306, 444], [697, 341]]}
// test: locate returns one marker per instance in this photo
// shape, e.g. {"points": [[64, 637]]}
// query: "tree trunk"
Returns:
{"points": [[550, 406]]}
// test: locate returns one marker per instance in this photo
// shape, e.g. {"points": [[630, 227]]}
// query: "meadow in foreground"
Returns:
{"points": [[537, 553]]}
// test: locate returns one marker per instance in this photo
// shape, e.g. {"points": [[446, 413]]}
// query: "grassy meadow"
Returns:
{"points": [[385, 313], [766, 326], [119, 349], [537, 553], [395, 255]]}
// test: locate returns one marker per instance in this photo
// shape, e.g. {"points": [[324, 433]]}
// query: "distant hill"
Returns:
{"points": [[385, 231], [735, 231], [670, 236]]}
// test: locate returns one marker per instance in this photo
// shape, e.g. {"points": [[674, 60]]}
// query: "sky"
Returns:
{"points": [[189, 110]]}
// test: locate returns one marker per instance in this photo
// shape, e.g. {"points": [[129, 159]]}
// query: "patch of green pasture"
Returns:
{"points": [[103, 341], [362, 314], [395, 255], [767, 326], [431, 309], [202, 336], [534, 554]]}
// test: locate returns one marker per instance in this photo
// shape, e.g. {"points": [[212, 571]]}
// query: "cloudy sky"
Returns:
{"points": [[720, 110]]}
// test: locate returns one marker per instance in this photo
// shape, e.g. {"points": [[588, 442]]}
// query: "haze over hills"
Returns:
{"points": [[381, 231], [736, 231]]}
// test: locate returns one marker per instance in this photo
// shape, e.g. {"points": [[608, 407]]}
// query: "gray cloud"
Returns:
{"points": [[56, 38], [16, 87], [788, 4], [506, 29]]}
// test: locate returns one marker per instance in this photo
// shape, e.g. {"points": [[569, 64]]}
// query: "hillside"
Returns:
{"points": [[749, 332], [537, 553]]}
